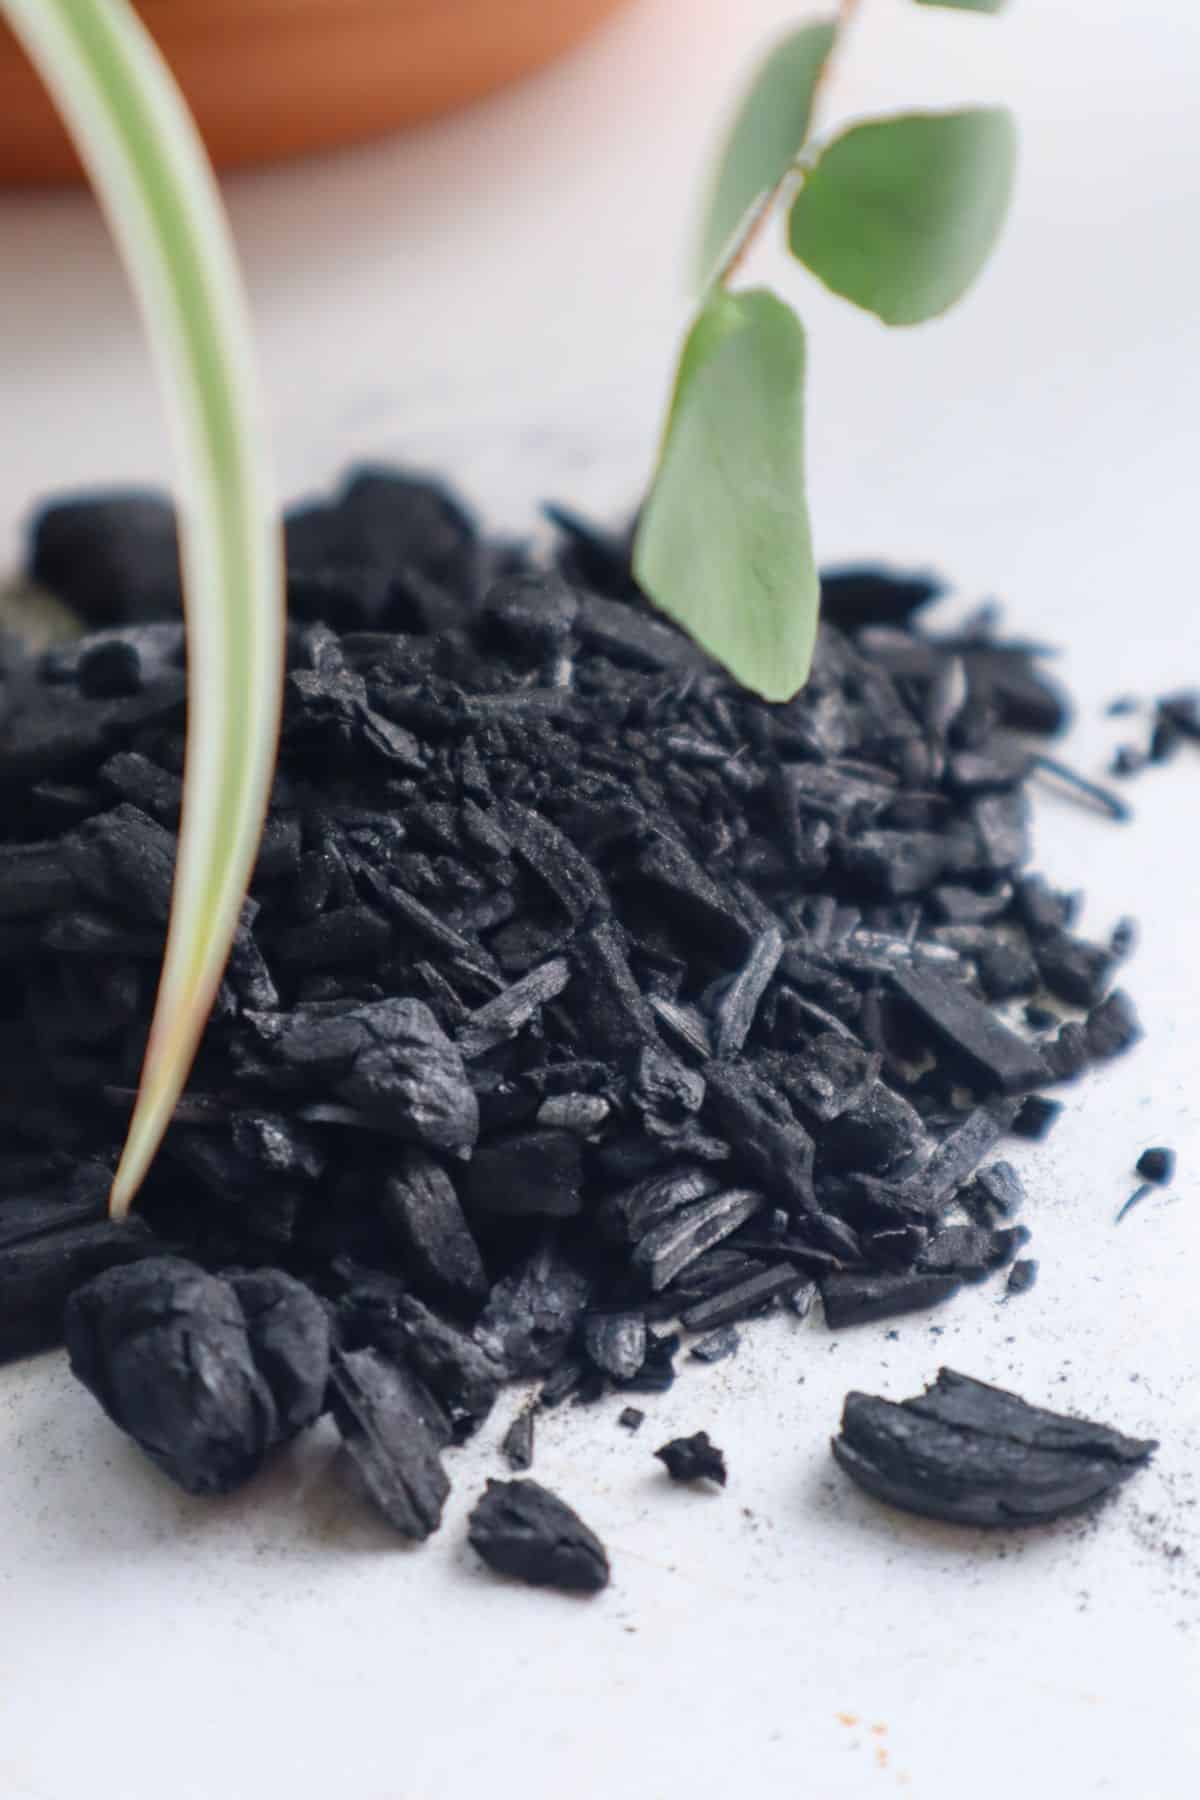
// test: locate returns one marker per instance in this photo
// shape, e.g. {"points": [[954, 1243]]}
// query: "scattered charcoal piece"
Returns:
{"points": [[460, 1376], [693, 1459], [1127, 760], [1073, 969], [742, 1300], [1156, 1165], [738, 1004], [39, 1274], [771, 1145], [996, 1190], [959, 1154], [205, 1375], [972, 1251], [1135, 1199], [717, 1345], [1006, 969], [518, 1440], [1068, 1054], [987, 1050], [616, 1343], [530, 1173], [671, 1246], [1123, 937], [1183, 711], [1036, 1116], [1022, 1275], [1165, 739], [631, 1418], [420, 1206], [502, 1018], [1039, 908], [1040, 1018], [394, 1437], [1112, 1027], [112, 558], [851, 1298], [975, 1455], [657, 1372], [858, 596], [521, 1529], [531, 1315]]}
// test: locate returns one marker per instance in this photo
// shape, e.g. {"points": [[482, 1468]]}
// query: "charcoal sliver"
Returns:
{"points": [[522, 1530], [386, 1427]]}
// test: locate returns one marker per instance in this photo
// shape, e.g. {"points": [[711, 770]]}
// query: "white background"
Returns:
{"points": [[499, 295]]}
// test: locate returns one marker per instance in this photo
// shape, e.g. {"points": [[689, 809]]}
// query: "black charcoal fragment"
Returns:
{"points": [[1073, 969], [693, 1459], [972, 1251], [996, 1190], [850, 1298], [631, 1418], [1022, 1275], [988, 1051], [769, 1142], [38, 1274], [530, 1173], [1157, 1165], [532, 1314], [394, 1438], [1135, 1199], [1036, 1116], [462, 1378], [686, 1234], [976, 1455], [742, 1300], [717, 1345], [420, 1206], [521, 1529], [509, 1013], [1113, 1026], [616, 1343], [518, 1440], [110, 557], [737, 1006], [205, 1375]]}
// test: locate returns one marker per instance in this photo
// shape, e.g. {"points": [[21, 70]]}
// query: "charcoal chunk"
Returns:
{"points": [[1006, 969], [1022, 1275], [766, 1139], [742, 1300], [530, 1173], [671, 1246], [976, 1455], [1036, 1117], [1112, 1027], [521, 1529], [616, 1343], [1157, 1164], [631, 1418], [518, 1440], [1073, 969], [531, 1315], [851, 1298], [386, 1425], [693, 1459], [988, 1052], [462, 1378], [717, 1345], [1067, 1055], [996, 1190], [738, 1004], [509, 1013], [38, 1273], [873, 1133], [896, 863], [111, 557], [971, 1251], [204, 1380], [420, 1206]]}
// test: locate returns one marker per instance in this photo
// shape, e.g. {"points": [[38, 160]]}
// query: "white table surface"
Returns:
{"points": [[499, 295]]}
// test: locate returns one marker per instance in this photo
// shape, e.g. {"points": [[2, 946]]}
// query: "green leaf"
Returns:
{"points": [[985, 6], [723, 544], [152, 179], [900, 215], [769, 130]]}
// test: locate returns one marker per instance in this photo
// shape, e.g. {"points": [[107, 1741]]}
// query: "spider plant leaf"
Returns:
{"points": [[154, 183]]}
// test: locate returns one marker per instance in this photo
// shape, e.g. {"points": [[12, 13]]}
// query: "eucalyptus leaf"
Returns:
{"points": [[767, 133], [899, 215], [153, 180], [723, 544], [984, 6]]}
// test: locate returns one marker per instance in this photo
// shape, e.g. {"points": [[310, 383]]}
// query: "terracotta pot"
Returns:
{"points": [[275, 78]]}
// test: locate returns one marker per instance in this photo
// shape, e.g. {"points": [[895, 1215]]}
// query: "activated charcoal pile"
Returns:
{"points": [[582, 1000]]}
